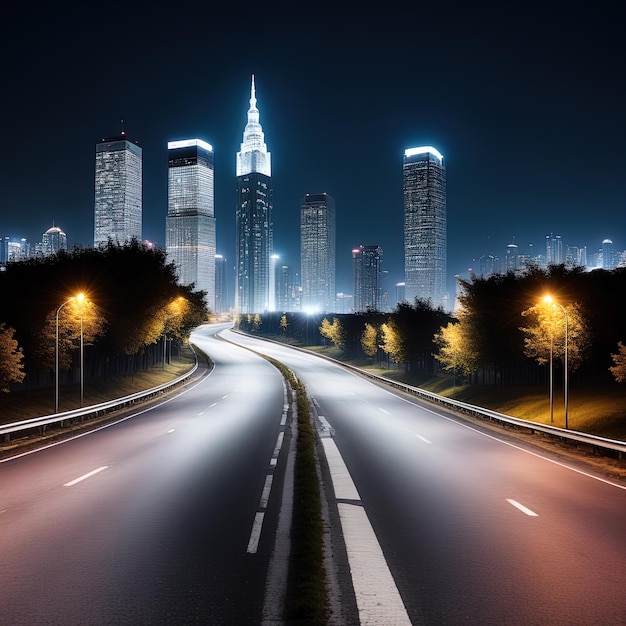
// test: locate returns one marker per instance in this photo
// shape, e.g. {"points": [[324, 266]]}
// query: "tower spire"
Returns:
{"points": [[253, 156]]}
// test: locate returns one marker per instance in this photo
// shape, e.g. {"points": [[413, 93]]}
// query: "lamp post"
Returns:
{"points": [[550, 300], [79, 297]]}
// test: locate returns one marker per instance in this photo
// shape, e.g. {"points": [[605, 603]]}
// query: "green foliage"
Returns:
{"points": [[11, 366]]}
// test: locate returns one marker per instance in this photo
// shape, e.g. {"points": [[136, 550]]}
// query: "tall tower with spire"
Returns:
{"points": [[254, 228]]}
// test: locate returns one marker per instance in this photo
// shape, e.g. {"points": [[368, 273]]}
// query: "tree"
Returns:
{"points": [[456, 348], [11, 357], [545, 334], [392, 342], [73, 317], [333, 331], [284, 324], [369, 339], [619, 369]]}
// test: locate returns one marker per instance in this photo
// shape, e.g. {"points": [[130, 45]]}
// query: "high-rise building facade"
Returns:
{"points": [[366, 262], [190, 221], [425, 227], [317, 252], [53, 240], [222, 300], [118, 192], [254, 228], [554, 249]]}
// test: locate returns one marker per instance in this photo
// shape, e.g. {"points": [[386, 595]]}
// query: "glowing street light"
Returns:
{"points": [[80, 297], [549, 300]]}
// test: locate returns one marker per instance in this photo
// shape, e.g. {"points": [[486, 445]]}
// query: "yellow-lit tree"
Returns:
{"points": [[78, 315], [619, 369], [369, 339], [546, 333], [457, 349], [392, 343], [284, 324], [11, 365], [334, 331]]}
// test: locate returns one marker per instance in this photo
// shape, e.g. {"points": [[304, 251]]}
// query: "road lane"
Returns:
{"points": [[149, 521], [438, 493]]}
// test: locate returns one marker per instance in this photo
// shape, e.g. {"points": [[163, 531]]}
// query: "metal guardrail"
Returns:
{"points": [[600, 445], [95, 410]]}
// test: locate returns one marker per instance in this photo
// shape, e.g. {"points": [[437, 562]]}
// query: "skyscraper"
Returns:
{"points": [[367, 278], [425, 231], [190, 221], [53, 240], [317, 252], [118, 204], [254, 228], [554, 249]]}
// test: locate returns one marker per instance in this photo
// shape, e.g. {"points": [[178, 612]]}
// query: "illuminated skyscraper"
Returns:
{"points": [[317, 252], [425, 232], [53, 240], [554, 249], [190, 221], [118, 206], [254, 228], [367, 278]]}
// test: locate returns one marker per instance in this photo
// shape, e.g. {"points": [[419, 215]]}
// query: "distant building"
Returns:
{"points": [[53, 240], [400, 293], [554, 250], [222, 296], [190, 221], [12, 251], [425, 228], [317, 252], [610, 256], [254, 228], [288, 289], [118, 191], [366, 262], [512, 258]]}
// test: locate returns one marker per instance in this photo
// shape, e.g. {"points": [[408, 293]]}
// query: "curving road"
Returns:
{"points": [[165, 518], [446, 523]]}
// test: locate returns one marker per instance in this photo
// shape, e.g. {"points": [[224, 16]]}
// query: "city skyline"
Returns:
{"points": [[527, 112]]}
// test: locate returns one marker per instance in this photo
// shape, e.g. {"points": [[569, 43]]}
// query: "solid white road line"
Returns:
{"points": [[377, 597], [522, 508], [422, 438], [85, 476]]}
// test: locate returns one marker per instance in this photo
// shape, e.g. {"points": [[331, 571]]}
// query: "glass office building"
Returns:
{"points": [[118, 191], [190, 222], [317, 252], [253, 219], [367, 278], [425, 230]]}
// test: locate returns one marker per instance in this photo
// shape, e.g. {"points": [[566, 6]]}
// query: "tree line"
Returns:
{"points": [[503, 332], [120, 299]]}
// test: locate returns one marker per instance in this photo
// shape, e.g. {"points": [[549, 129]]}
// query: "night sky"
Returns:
{"points": [[525, 101]]}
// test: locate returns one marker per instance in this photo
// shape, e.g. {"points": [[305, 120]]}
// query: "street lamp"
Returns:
{"points": [[80, 297], [551, 301]]}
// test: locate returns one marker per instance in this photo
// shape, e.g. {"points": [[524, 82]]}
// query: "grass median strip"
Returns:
{"points": [[305, 602]]}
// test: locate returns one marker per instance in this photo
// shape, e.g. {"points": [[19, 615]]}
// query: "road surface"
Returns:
{"points": [[448, 523], [165, 518]]}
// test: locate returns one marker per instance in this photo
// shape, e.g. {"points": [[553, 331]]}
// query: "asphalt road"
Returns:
{"points": [[448, 523], [165, 518]]}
